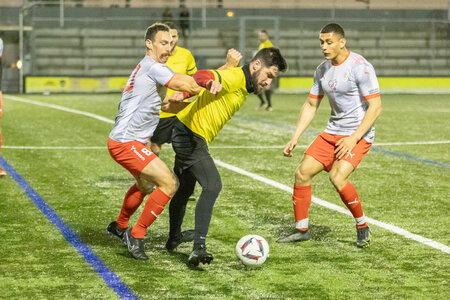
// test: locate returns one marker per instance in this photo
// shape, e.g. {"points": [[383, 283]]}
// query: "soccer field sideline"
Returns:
{"points": [[318, 201]]}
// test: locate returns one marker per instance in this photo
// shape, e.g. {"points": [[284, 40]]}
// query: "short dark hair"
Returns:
{"points": [[333, 27], [271, 57], [153, 29], [264, 31], [171, 25]]}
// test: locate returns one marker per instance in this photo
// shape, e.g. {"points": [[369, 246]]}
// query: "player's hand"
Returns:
{"points": [[177, 97], [214, 87], [344, 146], [233, 57], [289, 148]]}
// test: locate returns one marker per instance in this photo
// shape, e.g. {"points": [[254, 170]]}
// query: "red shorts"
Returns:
{"points": [[133, 156], [322, 149]]}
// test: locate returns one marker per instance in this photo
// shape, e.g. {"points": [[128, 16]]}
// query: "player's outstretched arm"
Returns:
{"points": [[307, 114], [185, 83], [233, 59]]}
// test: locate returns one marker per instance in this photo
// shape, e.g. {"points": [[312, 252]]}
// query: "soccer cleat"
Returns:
{"points": [[173, 242], [114, 230], [269, 108], [2, 173], [299, 236], [199, 255], [135, 245], [363, 237]]}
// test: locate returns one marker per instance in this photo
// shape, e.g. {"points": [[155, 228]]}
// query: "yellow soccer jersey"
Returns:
{"points": [[266, 44], [181, 62], [207, 114]]}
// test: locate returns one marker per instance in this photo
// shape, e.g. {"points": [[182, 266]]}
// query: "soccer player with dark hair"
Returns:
{"points": [[196, 126], [351, 85], [265, 43], [180, 61], [2, 172], [134, 125]]}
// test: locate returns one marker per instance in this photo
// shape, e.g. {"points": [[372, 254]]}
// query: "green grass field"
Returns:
{"points": [[85, 187]]}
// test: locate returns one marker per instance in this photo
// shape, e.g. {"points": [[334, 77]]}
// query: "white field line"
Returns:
{"points": [[275, 184], [340, 209], [53, 148], [74, 111]]}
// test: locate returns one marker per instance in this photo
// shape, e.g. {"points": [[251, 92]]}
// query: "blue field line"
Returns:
{"points": [[410, 157], [292, 128], [111, 279]]}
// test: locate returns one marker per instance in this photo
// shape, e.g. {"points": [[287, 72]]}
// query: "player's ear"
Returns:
{"points": [[342, 41], [149, 44], [256, 65]]}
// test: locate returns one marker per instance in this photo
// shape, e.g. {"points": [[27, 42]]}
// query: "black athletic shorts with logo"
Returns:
{"points": [[163, 132]]}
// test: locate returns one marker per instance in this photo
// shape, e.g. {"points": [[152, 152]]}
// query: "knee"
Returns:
{"points": [[213, 187], [170, 187], [145, 187], [337, 179], [302, 177]]}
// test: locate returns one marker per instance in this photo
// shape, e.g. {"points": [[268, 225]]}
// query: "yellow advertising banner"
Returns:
{"points": [[74, 85]]}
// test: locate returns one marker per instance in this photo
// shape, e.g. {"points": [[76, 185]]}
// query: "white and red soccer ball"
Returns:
{"points": [[252, 250]]}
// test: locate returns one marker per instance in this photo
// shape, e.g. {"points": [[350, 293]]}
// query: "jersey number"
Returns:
{"points": [[130, 87], [146, 151]]}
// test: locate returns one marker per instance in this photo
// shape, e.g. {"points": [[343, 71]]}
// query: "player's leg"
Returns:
{"points": [[208, 177], [131, 203], [269, 99], [301, 198], [133, 156], [156, 173], [261, 101], [177, 207], [339, 175]]}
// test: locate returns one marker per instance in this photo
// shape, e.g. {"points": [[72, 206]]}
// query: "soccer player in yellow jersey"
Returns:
{"points": [[265, 43], [196, 126]]}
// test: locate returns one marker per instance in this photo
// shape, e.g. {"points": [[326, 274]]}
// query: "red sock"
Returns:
{"points": [[132, 201], [153, 208], [350, 197], [302, 200]]}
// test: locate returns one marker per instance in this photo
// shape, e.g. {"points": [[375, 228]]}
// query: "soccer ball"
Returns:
{"points": [[252, 250]]}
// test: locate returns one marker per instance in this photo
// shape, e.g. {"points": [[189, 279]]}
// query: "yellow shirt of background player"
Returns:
{"points": [[207, 114], [181, 62], [266, 44]]}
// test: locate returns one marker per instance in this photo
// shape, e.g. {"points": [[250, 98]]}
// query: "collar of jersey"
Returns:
{"points": [[248, 79], [343, 60]]}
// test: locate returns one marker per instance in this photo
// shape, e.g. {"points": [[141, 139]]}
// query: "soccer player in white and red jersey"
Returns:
{"points": [[2, 172], [134, 125], [351, 85]]}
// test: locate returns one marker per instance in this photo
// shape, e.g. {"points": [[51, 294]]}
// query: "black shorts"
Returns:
{"points": [[189, 147], [163, 132]]}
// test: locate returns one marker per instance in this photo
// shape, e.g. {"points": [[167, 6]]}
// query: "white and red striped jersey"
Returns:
{"points": [[139, 108], [348, 86]]}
